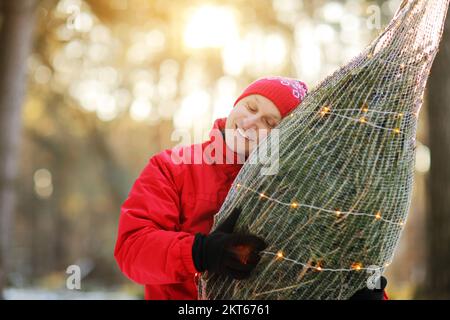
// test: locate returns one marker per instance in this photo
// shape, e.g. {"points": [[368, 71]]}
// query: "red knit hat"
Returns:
{"points": [[285, 93]]}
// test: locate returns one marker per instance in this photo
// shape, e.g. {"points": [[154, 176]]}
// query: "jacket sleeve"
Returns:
{"points": [[149, 247]]}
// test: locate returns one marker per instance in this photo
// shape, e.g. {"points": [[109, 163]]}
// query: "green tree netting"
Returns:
{"points": [[334, 211]]}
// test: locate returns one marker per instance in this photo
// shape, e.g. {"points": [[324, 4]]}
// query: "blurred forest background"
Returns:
{"points": [[91, 89]]}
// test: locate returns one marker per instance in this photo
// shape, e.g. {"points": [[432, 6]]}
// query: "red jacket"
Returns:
{"points": [[166, 206]]}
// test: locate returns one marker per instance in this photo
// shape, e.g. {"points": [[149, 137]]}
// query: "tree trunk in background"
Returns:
{"points": [[15, 41], [437, 281]]}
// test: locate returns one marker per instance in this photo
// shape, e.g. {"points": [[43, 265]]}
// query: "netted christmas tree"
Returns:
{"points": [[334, 210]]}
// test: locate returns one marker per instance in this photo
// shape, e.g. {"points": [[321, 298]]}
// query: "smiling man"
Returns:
{"points": [[164, 240]]}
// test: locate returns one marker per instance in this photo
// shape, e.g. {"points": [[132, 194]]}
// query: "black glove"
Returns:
{"points": [[225, 253], [375, 294]]}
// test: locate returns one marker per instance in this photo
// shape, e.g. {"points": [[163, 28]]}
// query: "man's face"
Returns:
{"points": [[249, 122]]}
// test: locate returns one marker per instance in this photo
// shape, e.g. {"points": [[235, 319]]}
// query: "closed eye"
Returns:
{"points": [[251, 108], [272, 124]]}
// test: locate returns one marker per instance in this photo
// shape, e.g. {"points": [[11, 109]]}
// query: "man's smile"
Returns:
{"points": [[243, 134]]}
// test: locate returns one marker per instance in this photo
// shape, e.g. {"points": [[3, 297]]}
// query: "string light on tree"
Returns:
{"points": [[325, 110], [378, 215], [337, 212], [280, 255], [365, 108], [357, 266]]}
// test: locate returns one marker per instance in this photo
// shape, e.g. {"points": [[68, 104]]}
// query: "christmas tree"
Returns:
{"points": [[336, 206]]}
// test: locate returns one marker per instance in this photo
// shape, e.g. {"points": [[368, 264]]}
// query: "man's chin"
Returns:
{"points": [[241, 151]]}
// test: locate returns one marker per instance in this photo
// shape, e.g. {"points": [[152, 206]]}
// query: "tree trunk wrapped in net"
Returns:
{"points": [[334, 210]]}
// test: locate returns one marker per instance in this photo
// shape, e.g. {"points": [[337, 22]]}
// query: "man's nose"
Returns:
{"points": [[250, 122]]}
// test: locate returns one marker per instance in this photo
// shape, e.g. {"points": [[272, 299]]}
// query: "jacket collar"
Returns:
{"points": [[221, 154]]}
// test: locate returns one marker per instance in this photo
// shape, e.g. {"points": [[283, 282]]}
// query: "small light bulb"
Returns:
{"points": [[280, 255], [262, 195], [324, 111], [238, 185], [397, 130], [356, 266], [338, 213], [318, 265], [365, 107], [363, 120], [294, 205], [378, 215]]}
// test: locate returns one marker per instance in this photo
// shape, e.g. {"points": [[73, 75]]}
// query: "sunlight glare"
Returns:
{"points": [[210, 27]]}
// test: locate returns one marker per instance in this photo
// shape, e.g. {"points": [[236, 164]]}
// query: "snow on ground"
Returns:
{"points": [[43, 294]]}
